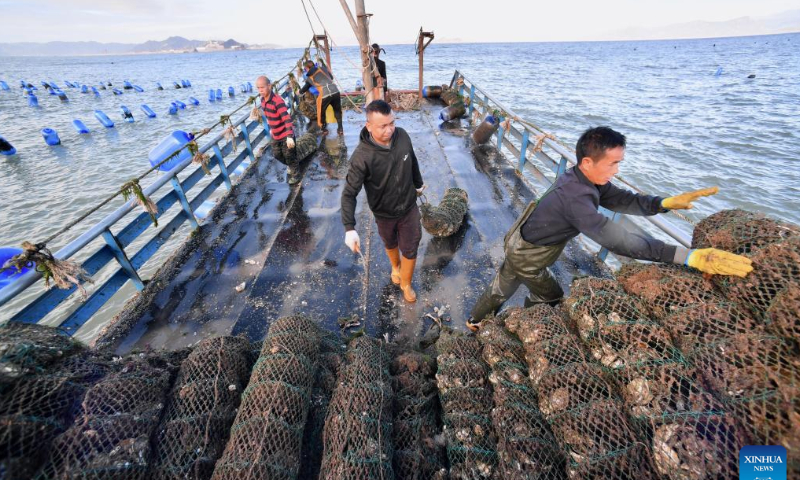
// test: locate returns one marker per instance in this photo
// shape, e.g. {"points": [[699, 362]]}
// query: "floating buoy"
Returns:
{"points": [[183, 84], [22, 84], [32, 87], [158, 86], [176, 84], [26, 91], [62, 95], [95, 91], [219, 94], [249, 87], [173, 109], [80, 127], [102, 87], [108, 82], [138, 88], [6, 148], [117, 91], [194, 101], [68, 84], [177, 140], [52, 91], [127, 85], [180, 104], [718, 72], [432, 92], [188, 83], [148, 111], [752, 75], [231, 92], [453, 112], [485, 130], [3, 85], [103, 118], [33, 101], [84, 89], [211, 97], [243, 88], [126, 114], [9, 276], [50, 137]]}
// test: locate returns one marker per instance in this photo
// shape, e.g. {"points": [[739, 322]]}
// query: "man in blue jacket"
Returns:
{"points": [[570, 207]]}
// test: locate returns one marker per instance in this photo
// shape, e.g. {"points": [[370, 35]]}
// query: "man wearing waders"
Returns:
{"points": [[322, 80], [384, 163], [280, 128], [570, 207]]}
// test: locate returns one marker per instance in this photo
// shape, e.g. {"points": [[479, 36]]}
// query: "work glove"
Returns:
{"points": [[290, 144], [684, 200], [351, 240], [420, 190], [719, 262]]}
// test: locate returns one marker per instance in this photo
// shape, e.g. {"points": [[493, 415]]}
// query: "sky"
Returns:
{"points": [[253, 21]]}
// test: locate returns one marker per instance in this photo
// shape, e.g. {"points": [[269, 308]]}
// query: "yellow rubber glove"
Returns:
{"points": [[719, 262], [684, 200]]}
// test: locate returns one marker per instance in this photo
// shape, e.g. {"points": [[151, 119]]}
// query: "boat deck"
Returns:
{"points": [[287, 246]]}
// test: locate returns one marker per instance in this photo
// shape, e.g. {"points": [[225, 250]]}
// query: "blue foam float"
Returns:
{"points": [[175, 141], [231, 92], [211, 97], [84, 89], [80, 127], [6, 148], [219, 94], [3, 85], [158, 86], [33, 101], [148, 111], [194, 101], [173, 109], [50, 137], [103, 119], [176, 85], [138, 88], [126, 114]]}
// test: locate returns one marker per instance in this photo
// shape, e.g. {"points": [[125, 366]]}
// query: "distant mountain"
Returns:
{"points": [[171, 44], [784, 22]]}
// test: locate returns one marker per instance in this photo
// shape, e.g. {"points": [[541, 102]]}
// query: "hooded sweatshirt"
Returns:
{"points": [[390, 175]]}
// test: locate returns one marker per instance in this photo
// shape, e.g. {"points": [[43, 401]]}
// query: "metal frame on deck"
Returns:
{"points": [[526, 135], [115, 244]]}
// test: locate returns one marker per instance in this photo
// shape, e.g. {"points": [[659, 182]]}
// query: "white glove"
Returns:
{"points": [[290, 142], [351, 240], [420, 190]]}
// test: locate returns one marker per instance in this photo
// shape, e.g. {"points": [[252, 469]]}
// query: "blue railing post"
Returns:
{"points": [[562, 166], [500, 132], [486, 107], [176, 184], [471, 99], [221, 161], [122, 259], [523, 149], [246, 134]]}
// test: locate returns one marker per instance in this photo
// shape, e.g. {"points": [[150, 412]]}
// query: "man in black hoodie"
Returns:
{"points": [[385, 165]]}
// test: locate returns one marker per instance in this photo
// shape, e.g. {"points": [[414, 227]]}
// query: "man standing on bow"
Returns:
{"points": [[384, 163], [320, 78], [570, 207], [280, 128], [380, 80]]}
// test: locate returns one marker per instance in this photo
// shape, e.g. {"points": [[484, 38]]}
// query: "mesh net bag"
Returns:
{"points": [[27, 348], [466, 396], [305, 145], [201, 408], [526, 448], [783, 314], [111, 435], [266, 436], [417, 453], [740, 231], [446, 218], [358, 428], [695, 326], [308, 106], [331, 355], [666, 288]]}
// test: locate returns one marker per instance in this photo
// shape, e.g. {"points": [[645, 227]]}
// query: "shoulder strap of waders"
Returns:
{"points": [[526, 213]]}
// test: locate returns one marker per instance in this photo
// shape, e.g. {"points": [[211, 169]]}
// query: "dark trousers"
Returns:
{"points": [[525, 264], [404, 233], [334, 101]]}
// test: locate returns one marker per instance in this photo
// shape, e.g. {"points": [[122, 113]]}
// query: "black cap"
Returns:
{"points": [[376, 48]]}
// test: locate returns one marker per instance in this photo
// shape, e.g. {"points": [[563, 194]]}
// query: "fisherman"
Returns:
{"points": [[385, 164], [281, 129], [570, 207], [380, 80], [321, 78]]}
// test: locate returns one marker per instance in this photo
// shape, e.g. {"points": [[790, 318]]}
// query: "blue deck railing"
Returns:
{"points": [[520, 140], [116, 246]]}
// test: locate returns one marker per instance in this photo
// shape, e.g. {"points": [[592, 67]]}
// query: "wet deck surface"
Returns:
{"points": [[287, 245]]}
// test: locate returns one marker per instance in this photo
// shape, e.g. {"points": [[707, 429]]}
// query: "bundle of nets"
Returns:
{"points": [[547, 342], [466, 396], [26, 348], [698, 325], [201, 408], [666, 288], [358, 428], [403, 101], [110, 437], [266, 437], [740, 231], [526, 448], [446, 218], [418, 451], [305, 145], [39, 406], [329, 363], [308, 106]]}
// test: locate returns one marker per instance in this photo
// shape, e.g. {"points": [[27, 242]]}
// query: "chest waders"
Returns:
{"points": [[524, 264]]}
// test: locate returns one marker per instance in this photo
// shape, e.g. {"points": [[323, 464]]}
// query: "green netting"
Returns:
{"points": [[526, 447], [27, 348], [201, 408], [358, 428], [446, 218], [740, 231], [110, 437], [466, 396], [666, 288], [418, 449], [266, 437]]}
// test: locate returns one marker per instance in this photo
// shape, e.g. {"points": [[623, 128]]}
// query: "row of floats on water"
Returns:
{"points": [[51, 137]]}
